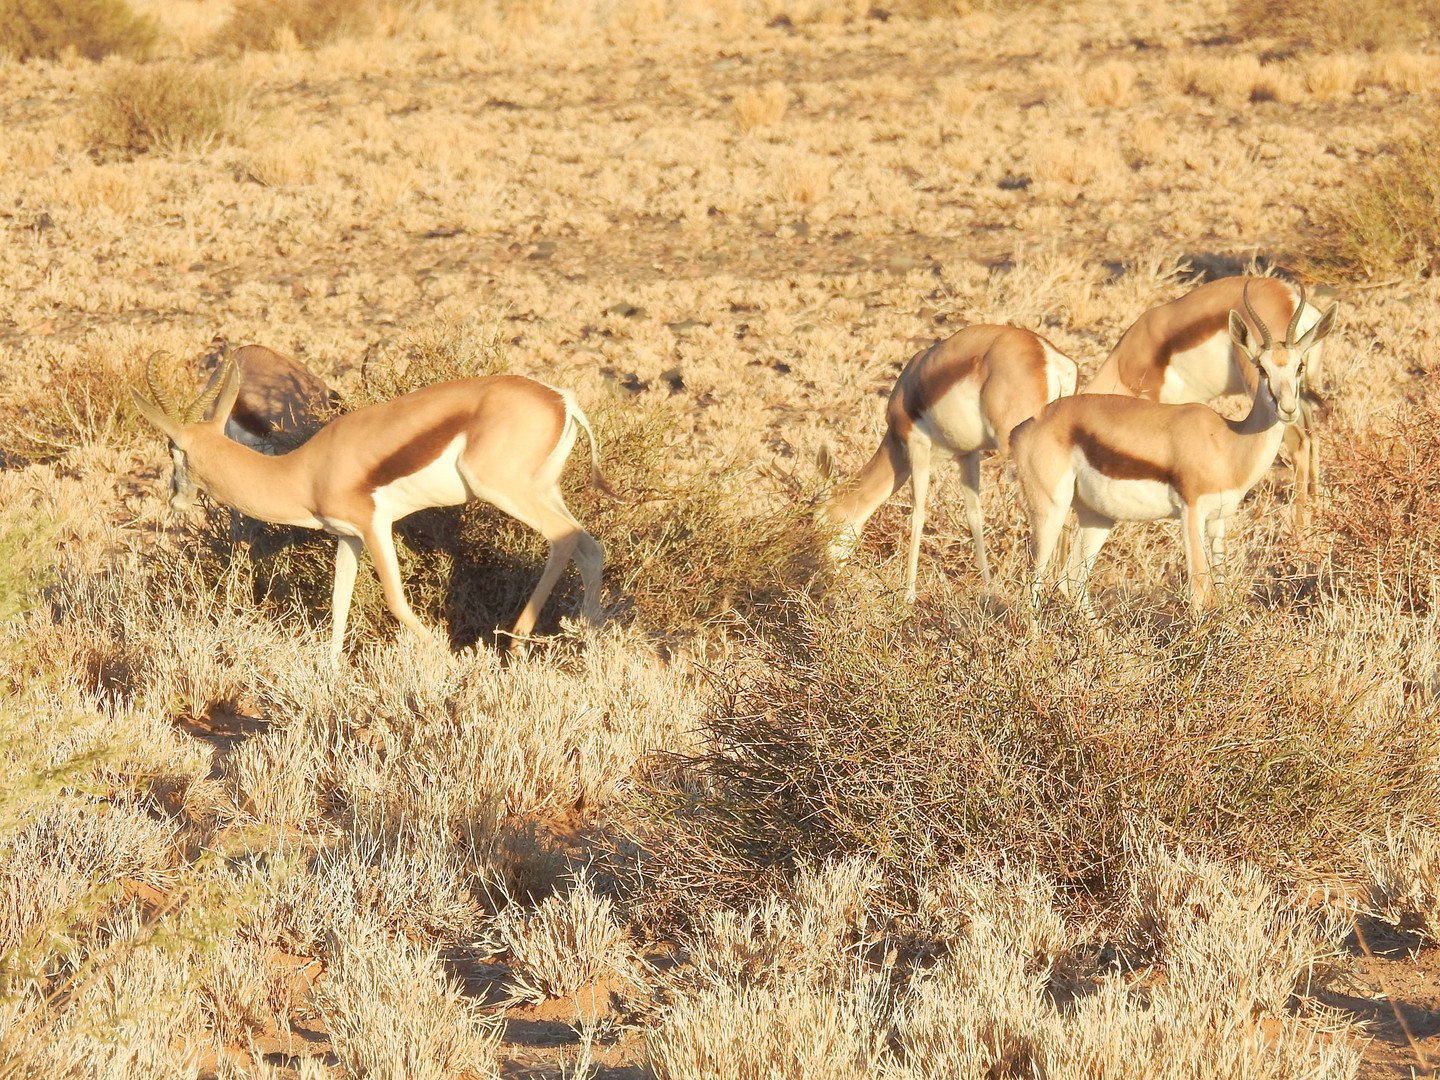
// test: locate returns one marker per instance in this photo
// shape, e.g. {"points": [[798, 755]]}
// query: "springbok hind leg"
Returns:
{"points": [[548, 515]]}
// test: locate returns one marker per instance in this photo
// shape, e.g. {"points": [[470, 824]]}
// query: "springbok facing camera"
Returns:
{"points": [[957, 398], [1182, 352], [1130, 459], [500, 438]]}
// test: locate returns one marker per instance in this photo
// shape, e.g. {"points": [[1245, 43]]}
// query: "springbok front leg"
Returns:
{"points": [[347, 559]]}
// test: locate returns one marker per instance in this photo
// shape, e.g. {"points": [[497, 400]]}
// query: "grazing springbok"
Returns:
{"points": [[1130, 459], [281, 402], [1182, 352], [500, 438], [957, 398]]}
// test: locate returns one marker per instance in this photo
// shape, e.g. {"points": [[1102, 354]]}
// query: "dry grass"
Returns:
{"points": [[168, 107], [1334, 24], [1385, 220], [916, 742], [392, 1009], [937, 841], [567, 943], [47, 29], [272, 24]]}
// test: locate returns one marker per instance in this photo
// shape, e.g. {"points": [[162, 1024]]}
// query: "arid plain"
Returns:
{"points": [[768, 821]]}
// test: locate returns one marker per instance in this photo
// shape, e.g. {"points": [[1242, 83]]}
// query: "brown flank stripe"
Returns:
{"points": [[420, 451]]}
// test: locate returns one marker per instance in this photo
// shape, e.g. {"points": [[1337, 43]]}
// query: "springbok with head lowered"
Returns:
{"points": [[500, 438], [1182, 351], [958, 398], [1128, 459]]}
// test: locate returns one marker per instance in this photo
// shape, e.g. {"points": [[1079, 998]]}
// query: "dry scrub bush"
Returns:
{"points": [[757, 106], [1383, 516], [392, 1010], [959, 731], [269, 24], [1386, 221], [1405, 879], [83, 402], [1339, 24], [565, 944], [168, 107], [46, 29]]}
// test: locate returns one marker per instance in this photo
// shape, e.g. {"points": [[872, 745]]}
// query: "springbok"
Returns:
{"points": [[1182, 352], [1129, 459], [959, 397], [500, 438], [281, 402]]}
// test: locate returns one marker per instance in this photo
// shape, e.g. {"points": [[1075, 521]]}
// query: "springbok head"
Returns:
{"points": [[1281, 364], [181, 423]]}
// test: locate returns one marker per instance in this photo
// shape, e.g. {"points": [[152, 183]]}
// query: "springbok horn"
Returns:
{"points": [[1295, 320], [1266, 341], [195, 411], [158, 393]]}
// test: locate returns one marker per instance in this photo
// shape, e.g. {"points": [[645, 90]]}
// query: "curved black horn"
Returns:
{"points": [[1266, 341], [195, 411], [1295, 319]]}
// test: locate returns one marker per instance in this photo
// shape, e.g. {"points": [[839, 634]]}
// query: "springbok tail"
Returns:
{"points": [[596, 476]]}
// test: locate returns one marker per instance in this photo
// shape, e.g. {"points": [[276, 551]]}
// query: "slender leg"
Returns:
{"points": [[919, 448], [1304, 452], [548, 515], [1215, 531], [1047, 521], [970, 484], [381, 542], [347, 558], [1196, 564], [1094, 530]]}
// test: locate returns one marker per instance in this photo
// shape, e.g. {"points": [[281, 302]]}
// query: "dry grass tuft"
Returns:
{"points": [[269, 24], [1386, 221], [761, 106], [46, 29], [1405, 872], [170, 107], [392, 1010], [1339, 24], [567, 943]]}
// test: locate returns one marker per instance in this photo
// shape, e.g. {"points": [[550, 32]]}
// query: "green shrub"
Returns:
{"points": [[43, 29], [259, 24], [965, 733], [1339, 24], [169, 107], [1386, 221]]}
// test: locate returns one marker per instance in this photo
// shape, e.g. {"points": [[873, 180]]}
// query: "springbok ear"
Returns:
{"points": [[229, 391], [1240, 334], [1320, 330], [156, 415]]}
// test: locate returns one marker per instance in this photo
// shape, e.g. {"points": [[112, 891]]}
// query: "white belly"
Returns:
{"points": [[1123, 500], [1203, 373], [437, 484], [956, 424]]}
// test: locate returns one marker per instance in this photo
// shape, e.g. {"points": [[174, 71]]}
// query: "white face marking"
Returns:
{"points": [[437, 484]]}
